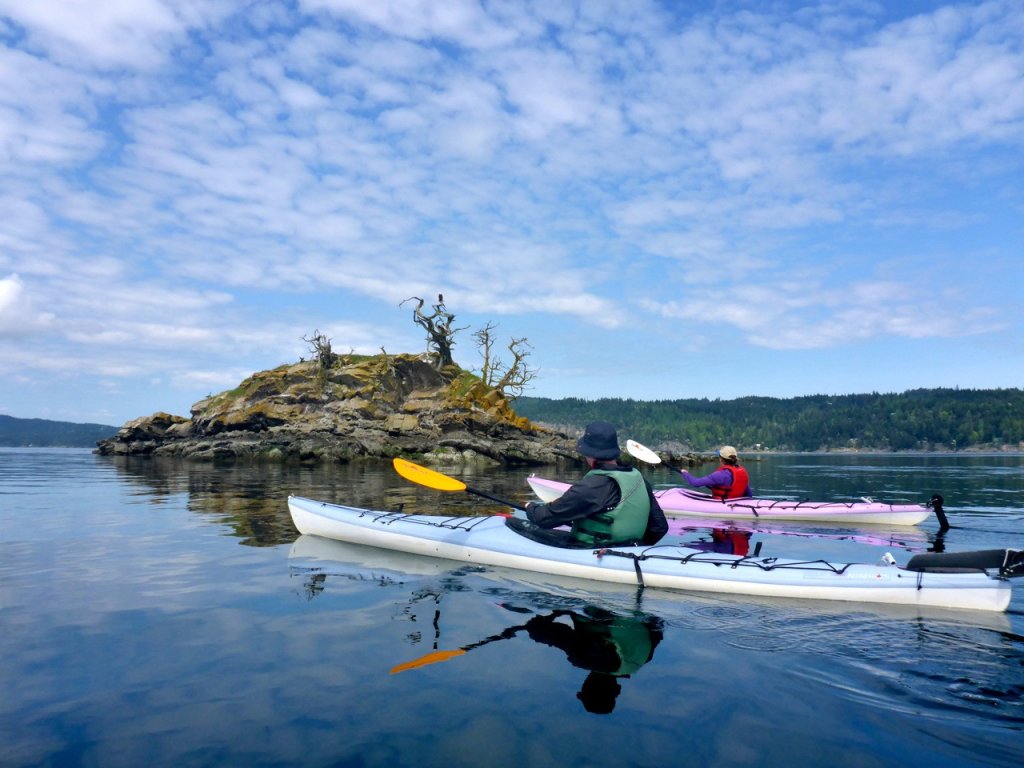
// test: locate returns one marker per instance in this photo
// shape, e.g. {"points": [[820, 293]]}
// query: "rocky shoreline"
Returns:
{"points": [[377, 406]]}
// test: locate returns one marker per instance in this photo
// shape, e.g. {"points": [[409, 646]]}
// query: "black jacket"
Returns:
{"points": [[593, 495]]}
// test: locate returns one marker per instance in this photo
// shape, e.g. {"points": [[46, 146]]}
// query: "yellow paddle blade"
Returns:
{"points": [[428, 477], [430, 658]]}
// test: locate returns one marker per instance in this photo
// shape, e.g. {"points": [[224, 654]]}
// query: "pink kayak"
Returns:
{"points": [[681, 502]]}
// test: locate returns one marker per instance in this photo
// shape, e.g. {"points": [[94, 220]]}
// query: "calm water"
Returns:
{"points": [[161, 614]]}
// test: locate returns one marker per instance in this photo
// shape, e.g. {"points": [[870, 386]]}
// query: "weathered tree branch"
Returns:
{"points": [[509, 378], [490, 368], [518, 374], [440, 334], [320, 346]]}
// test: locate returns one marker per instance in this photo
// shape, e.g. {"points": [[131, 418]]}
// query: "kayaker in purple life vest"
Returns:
{"points": [[612, 504], [729, 481]]}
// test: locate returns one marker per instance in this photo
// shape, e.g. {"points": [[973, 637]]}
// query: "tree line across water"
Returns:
{"points": [[919, 419], [45, 433]]}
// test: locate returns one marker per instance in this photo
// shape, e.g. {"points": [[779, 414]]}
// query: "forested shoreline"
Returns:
{"points": [[920, 419], [46, 433]]}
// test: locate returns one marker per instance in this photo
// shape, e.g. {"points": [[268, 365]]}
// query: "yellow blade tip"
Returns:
{"points": [[430, 658], [428, 477]]}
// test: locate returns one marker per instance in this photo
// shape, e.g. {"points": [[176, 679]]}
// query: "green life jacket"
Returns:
{"points": [[624, 523], [630, 638]]}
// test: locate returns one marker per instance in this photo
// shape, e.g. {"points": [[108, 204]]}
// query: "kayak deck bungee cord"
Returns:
{"points": [[977, 581]]}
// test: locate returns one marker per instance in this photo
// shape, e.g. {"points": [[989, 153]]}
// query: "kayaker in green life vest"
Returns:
{"points": [[612, 505]]}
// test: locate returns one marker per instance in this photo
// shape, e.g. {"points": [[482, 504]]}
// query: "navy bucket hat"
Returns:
{"points": [[599, 441]]}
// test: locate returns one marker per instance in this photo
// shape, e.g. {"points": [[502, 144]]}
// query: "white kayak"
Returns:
{"points": [[978, 580], [679, 502]]}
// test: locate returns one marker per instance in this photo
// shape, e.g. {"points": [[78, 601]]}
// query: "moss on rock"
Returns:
{"points": [[362, 406]]}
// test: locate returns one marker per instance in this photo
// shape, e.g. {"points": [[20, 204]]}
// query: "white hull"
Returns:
{"points": [[488, 541]]}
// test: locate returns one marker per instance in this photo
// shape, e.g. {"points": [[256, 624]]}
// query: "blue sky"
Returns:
{"points": [[666, 199]]}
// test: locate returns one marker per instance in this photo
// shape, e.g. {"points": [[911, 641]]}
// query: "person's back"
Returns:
{"points": [[612, 504]]}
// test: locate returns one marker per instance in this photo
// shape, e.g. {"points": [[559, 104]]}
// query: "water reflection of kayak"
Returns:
{"points": [[682, 502], [360, 562], [910, 540], [323, 560], [500, 541]]}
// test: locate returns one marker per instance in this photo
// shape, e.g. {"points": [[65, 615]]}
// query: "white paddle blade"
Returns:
{"points": [[546, 490], [642, 452]]}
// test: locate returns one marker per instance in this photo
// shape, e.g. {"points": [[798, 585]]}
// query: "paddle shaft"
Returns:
{"points": [[485, 495], [503, 635], [936, 505], [435, 657], [670, 468]]}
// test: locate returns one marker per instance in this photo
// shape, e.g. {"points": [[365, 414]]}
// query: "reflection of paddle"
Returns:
{"points": [[441, 482], [436, 656]]}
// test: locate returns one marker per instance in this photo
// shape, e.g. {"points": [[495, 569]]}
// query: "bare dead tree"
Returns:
{"points": [[518, 374], [387, 365], [509, 378], [491, 367], [438, 325], [320, 346]]}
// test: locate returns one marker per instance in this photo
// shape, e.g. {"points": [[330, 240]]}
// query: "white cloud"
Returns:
{"points": [[111, 32], [45, 113], [933, 80], [18, 314], [797, 315], [211, 381], [462, 21]]}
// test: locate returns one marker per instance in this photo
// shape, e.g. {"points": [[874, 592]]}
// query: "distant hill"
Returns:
{"points": [[44, 433], [919, 419]]}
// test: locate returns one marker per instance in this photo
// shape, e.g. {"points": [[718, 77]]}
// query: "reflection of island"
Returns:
{"points": [[251, 498], [609, 645]]}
